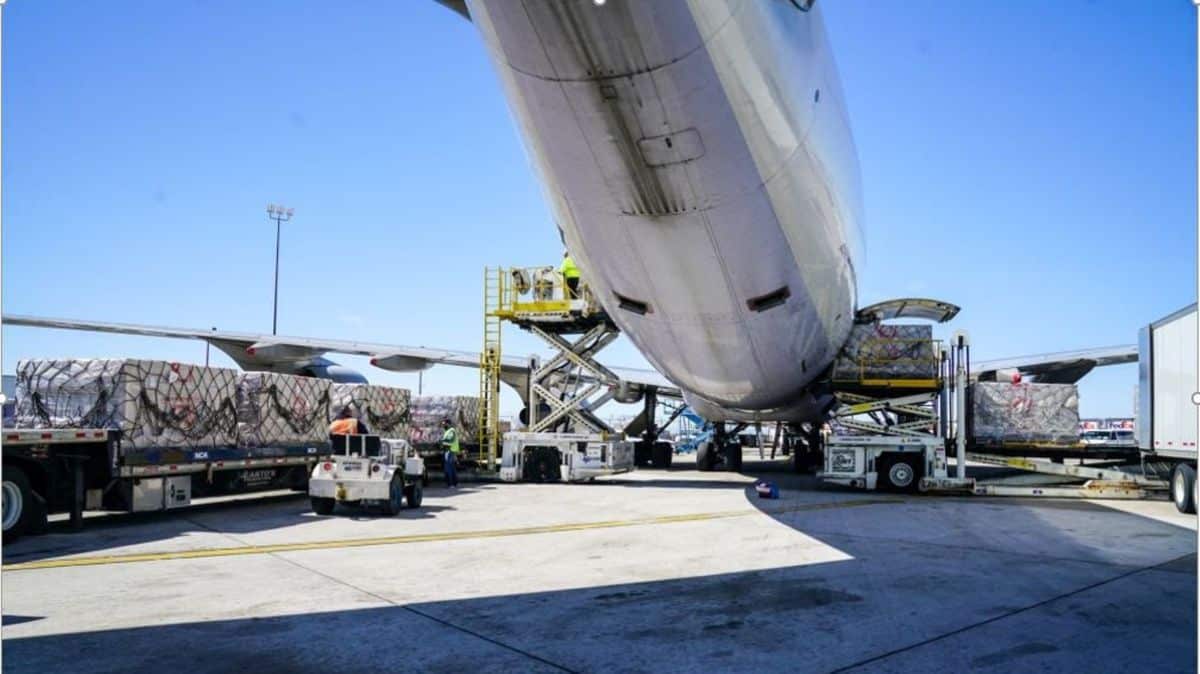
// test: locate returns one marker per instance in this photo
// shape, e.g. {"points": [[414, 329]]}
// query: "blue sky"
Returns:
{"points": [[1030, 161]]}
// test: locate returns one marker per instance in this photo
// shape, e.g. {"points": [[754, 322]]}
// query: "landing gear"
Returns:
{"points": [[722, 452], [806, 448], [733, 456], [706, 457], [661, 455]]}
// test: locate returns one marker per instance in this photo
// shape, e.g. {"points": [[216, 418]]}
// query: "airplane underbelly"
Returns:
{"points": [[684, 175]]}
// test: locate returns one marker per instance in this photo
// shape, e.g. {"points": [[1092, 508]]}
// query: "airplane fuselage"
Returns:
{"points": [[699, 163]]}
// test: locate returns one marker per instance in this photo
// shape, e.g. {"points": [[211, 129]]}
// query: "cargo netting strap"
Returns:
{"points": [[192, 422], [300, 423], [383, 420]]}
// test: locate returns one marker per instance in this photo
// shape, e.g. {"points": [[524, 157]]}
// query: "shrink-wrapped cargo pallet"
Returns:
{"points": [[428, 412], [879, 351], [1016, 413], [153, 403], [385, 410], [282, 410]]}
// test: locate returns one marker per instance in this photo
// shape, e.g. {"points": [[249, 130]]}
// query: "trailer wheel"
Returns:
{"points": [[395, 497], [1183, 488], [898, 473], [323, 506], [20, 507], [413, 494], [704, 456]]}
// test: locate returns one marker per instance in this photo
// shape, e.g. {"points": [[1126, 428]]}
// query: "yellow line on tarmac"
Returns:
{"points": [[418, 538]]}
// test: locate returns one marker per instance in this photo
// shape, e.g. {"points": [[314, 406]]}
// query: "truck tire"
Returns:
{"points": [[704, 456], [395, 501], [20, 508], [323, 506], [663, 454], [1183, 488], [413, 495], [898, 473]]}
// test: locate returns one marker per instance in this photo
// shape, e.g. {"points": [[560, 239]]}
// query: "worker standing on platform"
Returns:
{"points": [[450, 458], [571, 275]]}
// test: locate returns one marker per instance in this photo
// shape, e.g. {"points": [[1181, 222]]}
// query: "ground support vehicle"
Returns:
{"points": [[367, 471], [1166, 427], [919, 464], [50, 471], [893, 463], [903, 443], [562, 393], [563, 457]]}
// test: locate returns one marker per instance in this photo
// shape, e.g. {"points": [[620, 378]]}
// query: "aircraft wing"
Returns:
{"points": [[304, 355], [1063, 367]]}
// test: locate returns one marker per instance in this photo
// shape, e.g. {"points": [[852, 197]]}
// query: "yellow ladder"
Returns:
{"points": [[489, 367]]}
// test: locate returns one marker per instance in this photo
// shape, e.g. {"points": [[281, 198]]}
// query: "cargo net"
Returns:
{"points": [[282, 410], [878, 351], [384, 410], [153, 403], [1025, 413], [429, 411]]}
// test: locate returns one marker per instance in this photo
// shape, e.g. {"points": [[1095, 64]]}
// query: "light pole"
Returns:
{"points": [[279, 214]]}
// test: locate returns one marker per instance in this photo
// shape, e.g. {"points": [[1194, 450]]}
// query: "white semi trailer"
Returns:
{"points": [[1167, 421]]}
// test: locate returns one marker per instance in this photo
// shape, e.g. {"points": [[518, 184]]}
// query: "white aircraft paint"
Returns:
{"points": [[697, 156]]}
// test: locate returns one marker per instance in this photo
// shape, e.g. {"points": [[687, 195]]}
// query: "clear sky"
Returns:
{"points": [[1030, 161]]}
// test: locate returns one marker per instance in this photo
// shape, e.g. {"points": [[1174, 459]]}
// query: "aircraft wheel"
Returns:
{"points": [[663, 453], [704, 456], [733, 457]]}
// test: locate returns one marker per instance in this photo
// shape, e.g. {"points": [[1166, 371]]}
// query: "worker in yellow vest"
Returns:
{"points": [[450, 458], [570, 274]]}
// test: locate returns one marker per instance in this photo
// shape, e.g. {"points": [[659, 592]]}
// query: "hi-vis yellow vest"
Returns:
{"points": [[568, 268]]}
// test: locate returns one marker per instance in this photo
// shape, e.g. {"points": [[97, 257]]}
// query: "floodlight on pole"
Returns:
{"points": [[280, 214]]}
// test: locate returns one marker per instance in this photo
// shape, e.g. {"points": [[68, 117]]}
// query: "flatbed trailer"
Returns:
{"points": [[49, 471]]}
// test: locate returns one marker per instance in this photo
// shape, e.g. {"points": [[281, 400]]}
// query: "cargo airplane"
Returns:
{"points": [[698, 160]]}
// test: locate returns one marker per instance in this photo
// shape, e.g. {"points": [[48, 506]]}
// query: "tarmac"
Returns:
{"points": [[652, 571]]}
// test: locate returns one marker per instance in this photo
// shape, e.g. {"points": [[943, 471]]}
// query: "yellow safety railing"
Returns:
{"points": [[529, 292]]}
